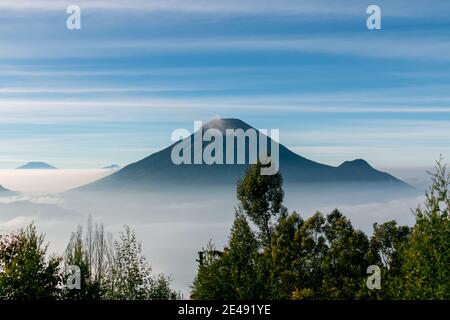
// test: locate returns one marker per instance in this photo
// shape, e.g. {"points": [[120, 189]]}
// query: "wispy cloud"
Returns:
{"points": [[400, 8], [429, 48], [205, 6], [399, 47], [370, 101], [68, 90], [47, 71]]}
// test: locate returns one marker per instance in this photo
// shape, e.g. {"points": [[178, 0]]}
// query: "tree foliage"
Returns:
{"points": [[130, 275], [325, 257], [25, 271], [261, 198], [425, 264], [108, 269], [91, 253]]}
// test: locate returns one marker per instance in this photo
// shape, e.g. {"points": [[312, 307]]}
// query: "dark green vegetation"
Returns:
{"points": [[325, 257], [109, 269]]}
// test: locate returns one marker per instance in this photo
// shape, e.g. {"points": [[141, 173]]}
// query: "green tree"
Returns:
{"points": [[243, 259], [232, 274], [319, 258], [130, 275], [312, 252], [345, 264], [77, 255], [425, 258], [287, 254], [385, 243], [261, 197], [212, 281], [25, 271]]}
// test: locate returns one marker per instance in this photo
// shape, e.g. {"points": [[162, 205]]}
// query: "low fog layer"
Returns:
{"points": [[175, 224], [53, 181]]}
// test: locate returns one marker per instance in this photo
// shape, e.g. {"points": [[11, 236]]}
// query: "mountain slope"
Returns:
{"points": [[158, 170], [6, 192]]}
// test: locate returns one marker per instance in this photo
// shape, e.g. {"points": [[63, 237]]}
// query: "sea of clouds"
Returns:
{"points": [[173, 227]]}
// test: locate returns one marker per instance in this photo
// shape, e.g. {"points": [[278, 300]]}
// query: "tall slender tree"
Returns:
{"points": [[261, 198]]}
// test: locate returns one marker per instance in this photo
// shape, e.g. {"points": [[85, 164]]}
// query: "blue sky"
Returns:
{"points": [[114, 91]]}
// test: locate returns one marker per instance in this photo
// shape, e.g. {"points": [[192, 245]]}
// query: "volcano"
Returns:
{"points": [[158, 171]]}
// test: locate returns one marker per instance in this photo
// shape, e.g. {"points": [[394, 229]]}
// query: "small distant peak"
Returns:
{"points": [[357, 163], [36, 165]]}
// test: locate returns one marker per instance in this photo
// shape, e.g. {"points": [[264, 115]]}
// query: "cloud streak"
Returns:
{"points": [[399, 8], [400, 47]]}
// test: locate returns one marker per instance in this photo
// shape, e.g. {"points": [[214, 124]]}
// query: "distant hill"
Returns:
{"points": [[6, 192], [158, 171], [112, 167], [37, 165]]}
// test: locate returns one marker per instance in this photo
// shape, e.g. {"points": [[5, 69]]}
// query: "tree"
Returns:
{"points": [[212, 281], [345, 263], [243, 259], [160, 289], [425, 258], [286, 253], [25, 271], [113, 270], [88, 255], [312, 252], [130, 276], [385, 244], [108, 270], [232, 274], [261, 198], [329, 258]]}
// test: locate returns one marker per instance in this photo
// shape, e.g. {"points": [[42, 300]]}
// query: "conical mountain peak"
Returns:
{"points": [[223, 124], [158, 170]]}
